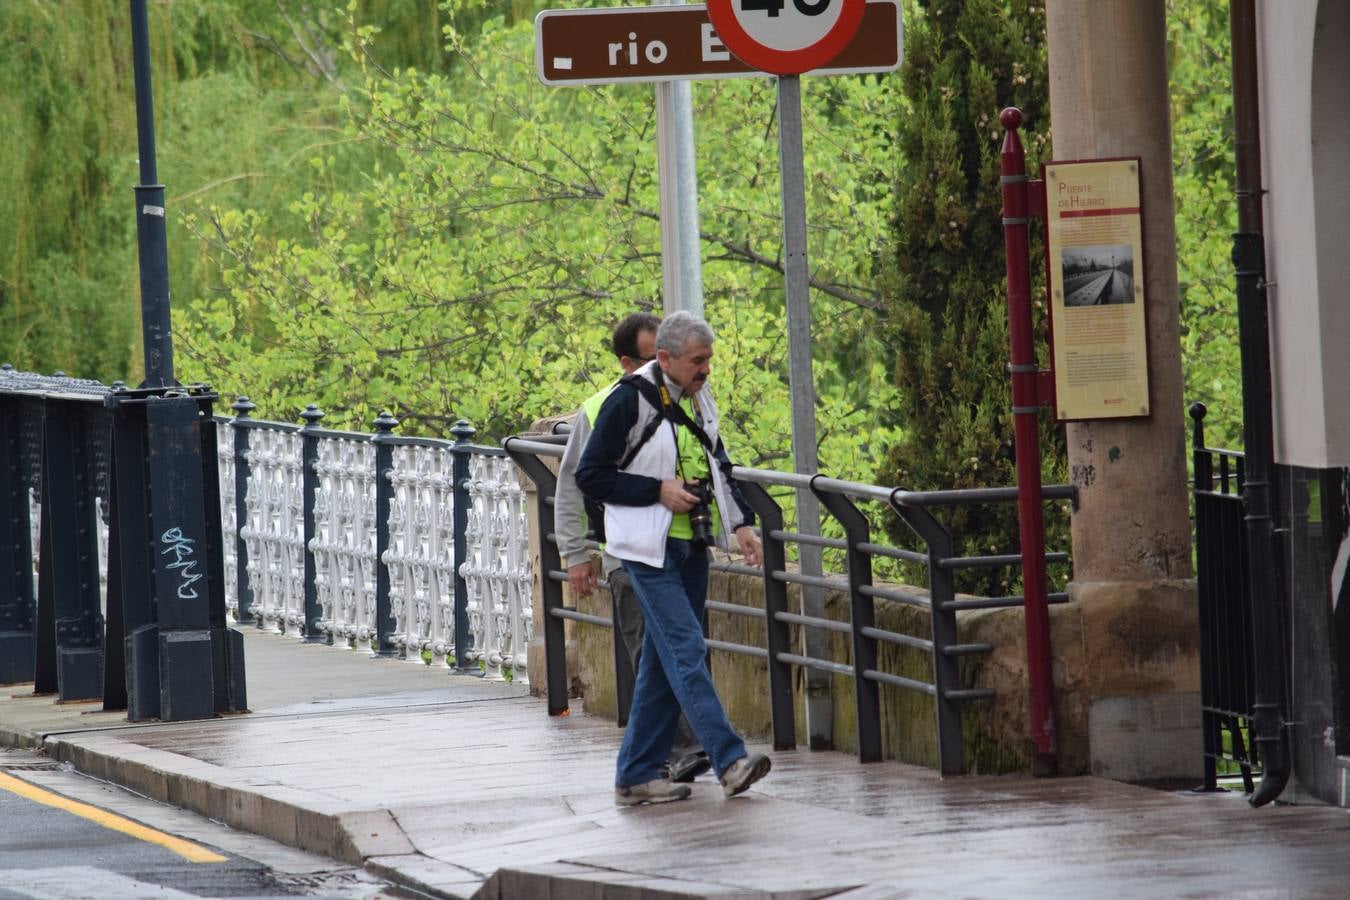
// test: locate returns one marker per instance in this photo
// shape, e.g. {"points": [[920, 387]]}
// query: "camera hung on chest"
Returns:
{"points": [[700, 514]]}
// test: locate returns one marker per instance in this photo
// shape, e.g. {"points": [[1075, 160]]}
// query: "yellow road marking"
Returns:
{"points": [[186, 849]]}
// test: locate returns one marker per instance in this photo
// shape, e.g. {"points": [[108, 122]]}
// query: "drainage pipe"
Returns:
{"points": [[1271, 737]]}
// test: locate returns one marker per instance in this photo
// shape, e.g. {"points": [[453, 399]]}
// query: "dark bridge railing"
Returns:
{"points": [[842, 499], [121, 484], [400, 546], [53, 430], [1227, 647]]}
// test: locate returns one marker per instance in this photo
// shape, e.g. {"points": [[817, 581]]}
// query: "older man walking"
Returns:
{"points": [[634, 345], [656, 461]]}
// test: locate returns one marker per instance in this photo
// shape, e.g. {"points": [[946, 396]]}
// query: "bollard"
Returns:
{"points": [[462, 431], [311, 630], [1028, 396], [384, 498]]}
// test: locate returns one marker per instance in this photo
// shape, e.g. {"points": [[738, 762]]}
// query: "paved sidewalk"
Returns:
{"points": [[460, 787]]}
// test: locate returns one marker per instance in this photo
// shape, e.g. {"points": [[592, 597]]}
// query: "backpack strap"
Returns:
{"points": [[658, 397], [653, 396]]}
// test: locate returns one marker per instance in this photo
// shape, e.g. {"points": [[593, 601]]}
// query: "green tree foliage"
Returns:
{"points": [[477, 270], [245, 94], [1200, 64], [63, 147], [403, 216], [946, 323]]}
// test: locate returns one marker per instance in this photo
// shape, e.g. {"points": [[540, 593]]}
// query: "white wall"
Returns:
{"points": [[1305, 115]]}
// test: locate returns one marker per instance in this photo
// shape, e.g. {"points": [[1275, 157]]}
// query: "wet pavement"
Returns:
{"points": [[462, 787]]}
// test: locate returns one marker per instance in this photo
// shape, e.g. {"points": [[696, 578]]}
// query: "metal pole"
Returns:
{"points": [[156, 333], [243, 586], [801, 383], [462, 431], [1249, 259], [1026, 423], [385, 624], [681, 261], [555, 635], [311, 622]]}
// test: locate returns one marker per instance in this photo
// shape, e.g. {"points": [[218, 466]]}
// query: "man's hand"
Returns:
{"points": [[582, 578], [749, 544], [675, 498]]}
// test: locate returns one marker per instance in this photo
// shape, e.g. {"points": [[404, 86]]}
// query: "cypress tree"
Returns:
{"points": [[945, 285]]}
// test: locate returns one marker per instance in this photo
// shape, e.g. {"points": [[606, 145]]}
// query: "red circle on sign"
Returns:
{"points": [[785, 62]]}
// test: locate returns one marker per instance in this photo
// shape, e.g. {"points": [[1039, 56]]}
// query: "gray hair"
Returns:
{"points": [[679, 329]]}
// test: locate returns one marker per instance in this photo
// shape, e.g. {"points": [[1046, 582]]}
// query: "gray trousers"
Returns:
{"points": [[631, 626]]}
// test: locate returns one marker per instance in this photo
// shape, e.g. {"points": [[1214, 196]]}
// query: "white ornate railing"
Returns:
{"points": [[421, 550], [229, 530], [420, 555], [497, 569], [274, 529], [344, 540]]}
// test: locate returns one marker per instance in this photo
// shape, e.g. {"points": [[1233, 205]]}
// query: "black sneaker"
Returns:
{"points": [[688, 767]]}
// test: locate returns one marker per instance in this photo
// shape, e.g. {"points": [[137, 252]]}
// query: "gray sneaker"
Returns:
{"points": [[658, 791], [744, 772]]}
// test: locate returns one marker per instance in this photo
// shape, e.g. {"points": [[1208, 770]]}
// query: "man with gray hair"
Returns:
{"points": [[634, 344], [656, 461]]}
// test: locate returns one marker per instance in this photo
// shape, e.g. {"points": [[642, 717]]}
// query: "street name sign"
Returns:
{"points": [[668, 43], [786, 37]]}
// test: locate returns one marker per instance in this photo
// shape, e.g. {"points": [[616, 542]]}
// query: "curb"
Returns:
{"points": [[371, 839], [18, 740], [580, 880]]}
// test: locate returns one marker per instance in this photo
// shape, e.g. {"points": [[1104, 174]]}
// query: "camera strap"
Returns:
{"points": [[658, 395]]}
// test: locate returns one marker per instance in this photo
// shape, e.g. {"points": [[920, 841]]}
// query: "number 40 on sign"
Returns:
{"points": [[786, 38]]}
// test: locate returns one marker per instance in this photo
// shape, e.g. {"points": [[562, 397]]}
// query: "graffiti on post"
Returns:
{"points": [[180, 546]]}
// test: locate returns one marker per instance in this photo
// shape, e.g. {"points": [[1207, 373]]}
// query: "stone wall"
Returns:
{"points": [[995, 731]]}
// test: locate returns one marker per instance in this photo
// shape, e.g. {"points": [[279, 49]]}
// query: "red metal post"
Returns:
{"points": [[1026, 406]]}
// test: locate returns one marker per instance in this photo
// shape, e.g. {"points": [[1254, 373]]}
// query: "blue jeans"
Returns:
{"points": [[672, 675]]}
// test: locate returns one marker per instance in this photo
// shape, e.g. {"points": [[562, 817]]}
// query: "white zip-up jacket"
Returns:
{"points": [[636, 522]]}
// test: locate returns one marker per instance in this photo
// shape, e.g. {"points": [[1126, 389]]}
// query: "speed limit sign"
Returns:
{"points": [[786, 37]]}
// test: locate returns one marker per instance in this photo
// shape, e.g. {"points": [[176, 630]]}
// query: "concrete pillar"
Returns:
{"points": [[1133, 583]]}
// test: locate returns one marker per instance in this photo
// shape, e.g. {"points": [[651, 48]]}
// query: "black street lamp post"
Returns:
{"points": [[150, 232]]}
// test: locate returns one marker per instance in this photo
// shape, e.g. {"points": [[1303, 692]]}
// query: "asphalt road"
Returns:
{"points": [[66, 836]]}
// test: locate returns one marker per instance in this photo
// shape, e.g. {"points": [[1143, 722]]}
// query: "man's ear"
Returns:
{"points": [[663, 357]]}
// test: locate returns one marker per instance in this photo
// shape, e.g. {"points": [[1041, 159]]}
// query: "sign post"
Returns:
{"points": [[681, 257], [786, 38]]}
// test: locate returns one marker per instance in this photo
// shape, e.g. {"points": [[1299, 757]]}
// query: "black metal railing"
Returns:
{"points": [[121, 487], [841, 498], [1227, 647]]}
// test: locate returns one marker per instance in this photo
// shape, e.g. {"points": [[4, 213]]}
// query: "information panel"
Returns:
{"points": [[1096, 260]]}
